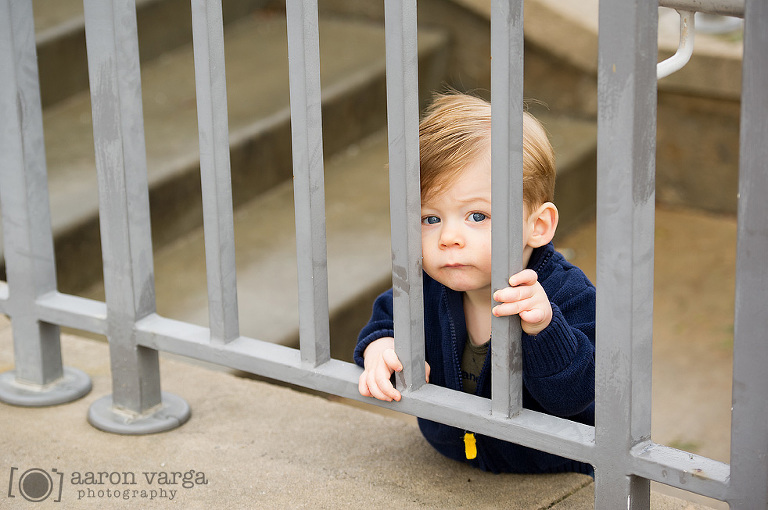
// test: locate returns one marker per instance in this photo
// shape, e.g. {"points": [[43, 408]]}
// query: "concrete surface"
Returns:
{"points": [[250, 445], [694, 284], [569, 31], [263, 446]]}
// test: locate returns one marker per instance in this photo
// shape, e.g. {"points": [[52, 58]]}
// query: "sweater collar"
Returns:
{"points": [[540, 257]]}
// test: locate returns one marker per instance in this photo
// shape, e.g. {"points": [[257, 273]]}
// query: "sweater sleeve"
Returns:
{"points": [[381, 324], [559, 362]]}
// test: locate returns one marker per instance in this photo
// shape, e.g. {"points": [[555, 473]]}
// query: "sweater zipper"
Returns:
{"points": [[470, 445], [470, 442]]}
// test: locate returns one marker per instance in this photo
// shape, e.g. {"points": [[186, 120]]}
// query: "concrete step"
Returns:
{"points": [[358, 233], [60, 35], [352, 73]]}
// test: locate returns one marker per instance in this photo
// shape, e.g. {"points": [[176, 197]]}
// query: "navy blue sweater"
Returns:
{"points": [[558, 363]]}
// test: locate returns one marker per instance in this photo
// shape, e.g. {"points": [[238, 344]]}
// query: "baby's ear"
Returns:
{"points": [[543, 222]]}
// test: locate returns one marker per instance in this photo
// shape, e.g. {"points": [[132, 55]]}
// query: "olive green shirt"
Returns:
{"points": [[472, 361]]}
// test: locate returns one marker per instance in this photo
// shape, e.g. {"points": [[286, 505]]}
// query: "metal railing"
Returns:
{"points": [[619, 446]]}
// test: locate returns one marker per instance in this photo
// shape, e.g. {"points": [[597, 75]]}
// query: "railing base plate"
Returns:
{"points": [[73, 385], [172, 413]]}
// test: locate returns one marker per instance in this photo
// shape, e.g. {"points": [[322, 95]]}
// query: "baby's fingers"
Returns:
{"points": [[514, 294], [524, 277], [392, 361], [379, 383], [362, 385], [533, 316], [508, 309]]}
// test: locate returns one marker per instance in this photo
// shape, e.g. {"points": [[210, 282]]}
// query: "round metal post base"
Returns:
{"points": [[73, 385], [171, 413]]}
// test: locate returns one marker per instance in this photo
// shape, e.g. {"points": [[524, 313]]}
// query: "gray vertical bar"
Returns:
{"points": [[507, 195], [118, 131], [405, 199], [213, 129], [749, 435], [308, 182], [625, 219], [29, 256]]}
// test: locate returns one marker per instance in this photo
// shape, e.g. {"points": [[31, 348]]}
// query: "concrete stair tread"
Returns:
{"points": [[358, 239], [572, 139], [60, 37], [357, 211], [55, 15], [170, 111], [258, 109], [568, 30]]}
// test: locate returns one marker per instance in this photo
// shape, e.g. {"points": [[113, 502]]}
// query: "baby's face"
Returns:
{"points": [[456, 231]]}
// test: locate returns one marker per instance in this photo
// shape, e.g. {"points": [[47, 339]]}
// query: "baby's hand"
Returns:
{"points": [[525, 297], [380, 362]]}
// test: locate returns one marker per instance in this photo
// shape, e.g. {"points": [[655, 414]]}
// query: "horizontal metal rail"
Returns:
{"points": [[655, 462], [536, 430], [722, 7], [681, 469], [73, 312]]}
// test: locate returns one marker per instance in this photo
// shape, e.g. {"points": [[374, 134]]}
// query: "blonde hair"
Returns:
{"points": [[456, 131]]}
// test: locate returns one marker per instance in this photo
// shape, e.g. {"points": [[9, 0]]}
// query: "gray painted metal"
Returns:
{"points": [[684, 48], [541, 431], [24, 196], [749, 434], [173, 413], [625, 225], [39, 377], [506, 196], [72, 385], [118, 129], [309, 181], [404, 189], [680, 469], [722, 7], [73, 312], [213, 132], [620, 446]]}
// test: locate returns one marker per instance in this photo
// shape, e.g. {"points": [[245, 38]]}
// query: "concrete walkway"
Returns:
{"points": [[257, 445], [249, 444]]}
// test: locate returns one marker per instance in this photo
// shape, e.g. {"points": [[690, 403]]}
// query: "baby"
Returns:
{"points": [[554, 299]]}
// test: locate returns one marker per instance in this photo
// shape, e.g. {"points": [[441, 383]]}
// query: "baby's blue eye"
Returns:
{"points": [[477, 217], [430, 220]]}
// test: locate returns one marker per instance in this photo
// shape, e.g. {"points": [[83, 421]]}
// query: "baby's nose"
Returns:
{"points": [[451, 236]]}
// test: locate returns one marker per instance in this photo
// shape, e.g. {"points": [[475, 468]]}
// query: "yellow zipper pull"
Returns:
{"points": [[470, 445]]}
